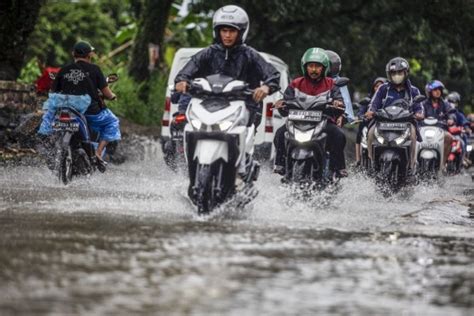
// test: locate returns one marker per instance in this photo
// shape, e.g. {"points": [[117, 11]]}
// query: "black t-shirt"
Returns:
{"points": [[72, 79]]}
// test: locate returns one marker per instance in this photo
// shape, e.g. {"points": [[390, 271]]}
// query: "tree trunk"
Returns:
{"points": [[17, 21], [151, 30]]}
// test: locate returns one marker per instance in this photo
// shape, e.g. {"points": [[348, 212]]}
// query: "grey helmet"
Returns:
{"points": [[454, 97], [397, 64], [233, 16], [335, 62]]}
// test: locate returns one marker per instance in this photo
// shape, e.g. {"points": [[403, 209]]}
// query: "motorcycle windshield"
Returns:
{"points": [[214, 104]]}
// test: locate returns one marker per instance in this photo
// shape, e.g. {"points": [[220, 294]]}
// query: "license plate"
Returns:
{"points": [[393, 126], [177, 135], [308, 116], [429, 145], [69, 126]]}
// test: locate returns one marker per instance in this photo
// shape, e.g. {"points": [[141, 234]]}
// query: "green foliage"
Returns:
{"points": [[437, 38], [129, 103], [62, 23], [30, 72]]}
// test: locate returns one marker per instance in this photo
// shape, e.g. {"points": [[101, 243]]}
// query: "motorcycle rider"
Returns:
{"points": [[435, 106], [82, 77], [315, 67], [230, 56], [398, 87], [360, 114], [334, 70], [454, 99]]}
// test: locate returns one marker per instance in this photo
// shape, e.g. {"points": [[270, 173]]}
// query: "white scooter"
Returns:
{"points": [[430, 152], [219, 142]]}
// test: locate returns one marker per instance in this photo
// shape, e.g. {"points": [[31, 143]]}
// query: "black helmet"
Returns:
{"points": [[397, 64], [454, 97], [335, 62]]}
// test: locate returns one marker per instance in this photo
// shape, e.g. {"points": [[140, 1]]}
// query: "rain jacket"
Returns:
{"points": [[443, 111], [240, 62]]}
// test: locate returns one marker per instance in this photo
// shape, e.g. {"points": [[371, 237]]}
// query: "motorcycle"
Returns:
{"points": [[430, 152], [392, 144], [218, 142], [173, 149], [307, 161], [455, 157], [74, 143]]}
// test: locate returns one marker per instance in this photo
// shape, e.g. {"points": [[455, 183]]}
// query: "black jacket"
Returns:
{"points": [[240, 62]]}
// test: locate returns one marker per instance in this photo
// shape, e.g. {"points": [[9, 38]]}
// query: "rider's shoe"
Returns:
{"points": [[342, 173], [101, 165], [279, 170], [239, 181]]}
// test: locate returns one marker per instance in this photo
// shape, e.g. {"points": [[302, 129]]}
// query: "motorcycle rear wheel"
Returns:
{"points": [[65, 165]]}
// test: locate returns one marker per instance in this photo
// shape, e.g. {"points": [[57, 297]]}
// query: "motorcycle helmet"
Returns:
{"points": [[335, 62], [433, 85], [315, 55], [233, 16], [394, 65], [379, 79], [454, 97]]}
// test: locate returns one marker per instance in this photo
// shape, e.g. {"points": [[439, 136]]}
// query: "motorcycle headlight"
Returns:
{"points": [[379, 137], [291, 127], [223, 126], [364, 135], [303, 137], [401, 139], [430, 134], [196, 123]]}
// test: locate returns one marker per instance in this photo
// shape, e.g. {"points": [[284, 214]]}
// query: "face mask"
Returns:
{"points": [[398, 78]]}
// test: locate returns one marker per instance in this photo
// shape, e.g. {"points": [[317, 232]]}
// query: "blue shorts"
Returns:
{"points": [[106, 124]]}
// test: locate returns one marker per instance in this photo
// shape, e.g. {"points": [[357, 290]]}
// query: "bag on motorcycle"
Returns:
{"points": [[58, 100]]}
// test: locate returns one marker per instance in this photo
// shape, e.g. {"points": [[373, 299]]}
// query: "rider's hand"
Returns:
{"points": [[450, 122], [338, 104], [369, 115], [419, 116], [260, 93], [181, 86], [279, 104]]}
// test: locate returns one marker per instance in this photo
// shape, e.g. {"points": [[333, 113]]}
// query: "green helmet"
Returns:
{"points": [[315, 55]]}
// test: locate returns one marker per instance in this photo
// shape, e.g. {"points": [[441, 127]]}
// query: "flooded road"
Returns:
{"points": [[129, 242]]}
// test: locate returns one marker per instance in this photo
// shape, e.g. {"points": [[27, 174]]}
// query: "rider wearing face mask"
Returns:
{"points": [[435, 106], [398, 87], [230, 56], [314, 82]]}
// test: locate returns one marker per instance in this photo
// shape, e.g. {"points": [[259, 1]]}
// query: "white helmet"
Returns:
{"points": [[233, 16]]}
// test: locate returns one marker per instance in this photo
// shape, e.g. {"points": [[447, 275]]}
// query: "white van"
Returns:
{"points": [[271, 120]]}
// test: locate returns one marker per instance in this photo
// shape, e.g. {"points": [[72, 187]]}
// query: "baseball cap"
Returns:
{"points": [[82, 48]]}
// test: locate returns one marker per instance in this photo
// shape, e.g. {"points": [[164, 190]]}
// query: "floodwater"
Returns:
{"points": [[128, 242]]}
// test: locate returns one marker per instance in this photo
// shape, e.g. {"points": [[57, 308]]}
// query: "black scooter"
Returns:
{"points": [[392, 144]]}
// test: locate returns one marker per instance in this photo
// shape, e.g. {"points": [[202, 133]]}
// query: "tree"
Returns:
{"points": [[437, 39], [151, 30], [17, 21], [61, 24]]}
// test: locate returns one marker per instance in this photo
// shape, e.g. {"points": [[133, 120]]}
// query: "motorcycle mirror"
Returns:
{"points": [[342, 81], [112, 78], [419, 98]]}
